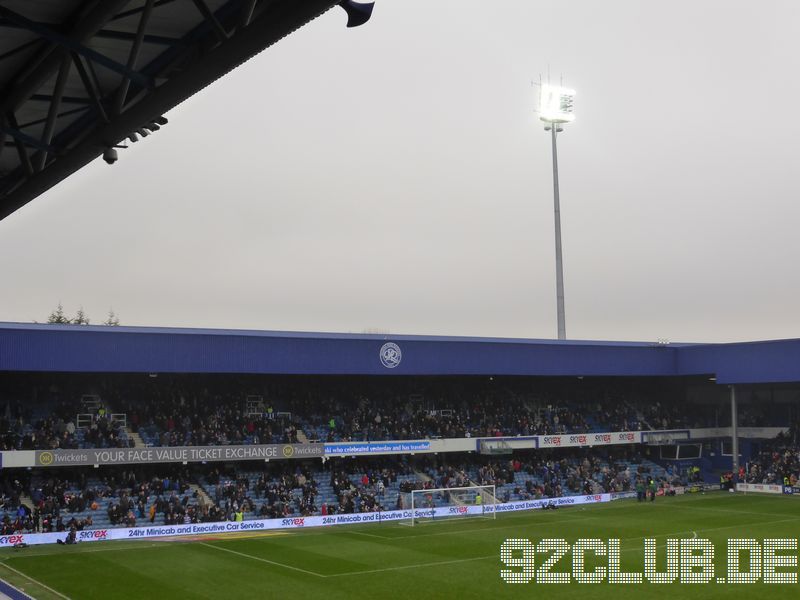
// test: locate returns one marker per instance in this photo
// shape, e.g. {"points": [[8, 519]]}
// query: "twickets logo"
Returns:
{"points": [[12, 540], [390, 355], [288, 452], [46, 458]]}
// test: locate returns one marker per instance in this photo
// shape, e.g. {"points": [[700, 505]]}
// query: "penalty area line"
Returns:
{"points": [[372, 535], [258, 558], [36, 581], [403, 567]]}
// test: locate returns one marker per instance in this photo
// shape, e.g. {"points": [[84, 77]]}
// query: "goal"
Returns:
{"points": [[477, 501]]}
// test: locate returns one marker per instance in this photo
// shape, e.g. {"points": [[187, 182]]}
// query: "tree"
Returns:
{"points": [[58, 317], [80, 318], [112, 318]]}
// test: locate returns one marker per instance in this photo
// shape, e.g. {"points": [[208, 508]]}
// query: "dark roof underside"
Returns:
{"points": [[80, 76]]}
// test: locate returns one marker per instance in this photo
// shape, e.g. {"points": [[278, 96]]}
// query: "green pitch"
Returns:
{"points": [[443, 559]]}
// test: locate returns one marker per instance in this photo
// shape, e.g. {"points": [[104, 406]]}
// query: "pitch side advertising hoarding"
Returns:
{"points": [[167, 531]]}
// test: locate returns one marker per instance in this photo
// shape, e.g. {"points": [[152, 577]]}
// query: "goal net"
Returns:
{"points": [[477, 501]]}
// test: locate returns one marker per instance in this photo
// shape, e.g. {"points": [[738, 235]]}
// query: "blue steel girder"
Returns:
{"points": [[57, 38]]}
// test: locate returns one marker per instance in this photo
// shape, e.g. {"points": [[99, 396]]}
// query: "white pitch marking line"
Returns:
{"points": [[37, 582], [372, 535], [719, 510], [430, 564], [264, 560], [482, 529], [57, 551], [660, 535], [463, 560]]}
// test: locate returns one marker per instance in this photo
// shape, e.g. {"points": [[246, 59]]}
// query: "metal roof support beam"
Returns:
{"points": [[269, 26], [70, 44], [23, 138], [2, 134], [124, 36], [93, 76], [64, 99], [55, 105], [24, 159], [247, 13], [25, 83], [90, 86], [222, 35], [106, 34], [66, 113], [136, 11], [122, 91], [18, 49]]}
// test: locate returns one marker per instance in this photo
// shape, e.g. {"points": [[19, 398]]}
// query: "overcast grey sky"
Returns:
{"points": [[395, 177]]}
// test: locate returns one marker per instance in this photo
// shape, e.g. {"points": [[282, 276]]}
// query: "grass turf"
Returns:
{"points": [[448, 558]]}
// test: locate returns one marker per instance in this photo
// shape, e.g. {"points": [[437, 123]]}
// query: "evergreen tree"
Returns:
{"points": [[80, 317], [57, 317], [112, 318]]}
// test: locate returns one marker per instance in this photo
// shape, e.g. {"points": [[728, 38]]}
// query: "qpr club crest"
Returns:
{"points": [[390, 355]]}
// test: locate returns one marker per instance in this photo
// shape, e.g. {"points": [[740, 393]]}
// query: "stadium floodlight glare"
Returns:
{"points": [[556, 104], [555, 108]]}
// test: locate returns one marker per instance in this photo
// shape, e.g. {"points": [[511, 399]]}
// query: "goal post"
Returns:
{"points": [[476, 501]]}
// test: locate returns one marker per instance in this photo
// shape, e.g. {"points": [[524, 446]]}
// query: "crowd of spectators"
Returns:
{"points": [[362, 419], [206, 410], [550, 474], [62, 502], [65, 499], [20, 429], [277, 492], [208, 422], [778, 461], [361, 486]]}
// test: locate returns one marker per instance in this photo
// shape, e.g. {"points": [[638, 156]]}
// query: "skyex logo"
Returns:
{"points": [[95, 534], [390, 355], [12, 539]]}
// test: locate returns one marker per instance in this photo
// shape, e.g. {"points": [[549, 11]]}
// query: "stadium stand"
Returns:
{"points": [[778, 461], [51, 412], [161, 494]]}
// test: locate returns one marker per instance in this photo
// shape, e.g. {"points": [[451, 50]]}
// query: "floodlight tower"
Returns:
{"points": [[555, 109]]}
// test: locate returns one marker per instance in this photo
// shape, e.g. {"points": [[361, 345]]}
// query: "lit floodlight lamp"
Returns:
{"points": [[556, 104], [555, 109]]}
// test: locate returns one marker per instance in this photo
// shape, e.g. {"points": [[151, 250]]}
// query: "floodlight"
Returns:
{"points": [[556, 104], [555, 109]]}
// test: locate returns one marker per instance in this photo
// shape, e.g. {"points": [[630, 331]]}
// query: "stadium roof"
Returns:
{"points": [[89, 348], [80, 76]]}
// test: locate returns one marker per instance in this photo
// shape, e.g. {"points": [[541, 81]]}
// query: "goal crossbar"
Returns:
{"points": [[467, 501]]}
